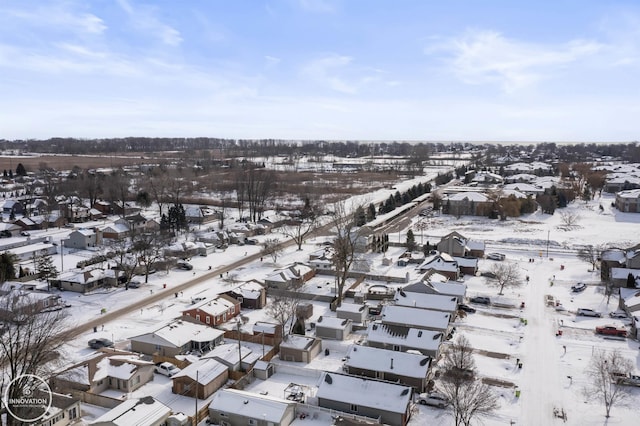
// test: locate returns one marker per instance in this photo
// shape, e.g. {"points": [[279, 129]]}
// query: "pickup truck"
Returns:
{"points": [[611, 330], [167, 369]]}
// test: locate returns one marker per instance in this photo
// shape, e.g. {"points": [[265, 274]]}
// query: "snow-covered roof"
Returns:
{"points": [[383, 396], [140, 412], [106, 368], [177, 333], [629, 194], [419, 318], [399, 363], [427, 340], [467, 262], [250, 290], [204, 370], [297, 342], [269, 408], [440, 262], [435, 302], [264, 327], [476, 197], [215, 307], [351, 308], [333, 323], [228, 354]]}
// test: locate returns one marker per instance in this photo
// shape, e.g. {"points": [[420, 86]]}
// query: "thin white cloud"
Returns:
{"points": [[144, 19], [316, 6], [324, 71], [57, 16], [480, 57], [272, 61]]}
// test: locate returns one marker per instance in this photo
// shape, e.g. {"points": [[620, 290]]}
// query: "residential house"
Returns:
{"points": [[416, 318], [441, 263], [177, 337], [126, 209], [291, 276], [403, 339], [146, 411], [300, 348], [85, 281], [64, 410], [389, 402], [15, 301], [12, 208], [399, 367], [251, 295], [9, 229], [108, 369], [454, 244], [115, 231], [234, 358], [467, 265], [435, 283], [333, 328], [270, 333], [237, 407], [200, 215], [82, 239], [200, 379], [103, 207], [433, 302], [214, 312]]}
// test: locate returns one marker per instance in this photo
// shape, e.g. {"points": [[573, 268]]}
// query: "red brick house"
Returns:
{"points": [[214, 312]]}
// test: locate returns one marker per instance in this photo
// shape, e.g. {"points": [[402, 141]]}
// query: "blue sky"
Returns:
{"points": [[549, 70]]}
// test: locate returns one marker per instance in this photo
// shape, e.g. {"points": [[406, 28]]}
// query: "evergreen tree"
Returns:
{"points": [[360, 216], [371, 212], [45, 267], [20, 170], [631, 281], [7, 266], [11, 173], [411, 241]]}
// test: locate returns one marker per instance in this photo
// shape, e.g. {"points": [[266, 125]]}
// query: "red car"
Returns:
{"points": [[611, 330]]}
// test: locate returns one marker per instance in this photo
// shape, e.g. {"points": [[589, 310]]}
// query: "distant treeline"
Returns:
{"points": [[543, 151]]}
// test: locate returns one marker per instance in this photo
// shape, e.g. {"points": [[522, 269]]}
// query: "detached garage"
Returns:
{"points": [[333, 328]]}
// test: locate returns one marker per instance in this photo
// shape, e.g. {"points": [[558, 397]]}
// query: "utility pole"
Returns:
{"points": [[195, 419], [239, 346], [548, 232]]}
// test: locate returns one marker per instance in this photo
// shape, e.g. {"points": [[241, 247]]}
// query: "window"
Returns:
{"points": [[354, 408], [208, 319], [252, 422], [197, 317], [45, 302], [396, 348], [73, 413]]}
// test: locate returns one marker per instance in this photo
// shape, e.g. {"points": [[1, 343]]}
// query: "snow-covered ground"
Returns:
{"points": [[550, 377]]}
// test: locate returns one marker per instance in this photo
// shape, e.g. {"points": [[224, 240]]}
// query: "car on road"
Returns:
{"points": [[619, 314], [466, 308], [134, 284], [482, 300], [25, 233], [577, 288], [611, 330], [496, 256], [167, 369], [100, 343], [586, 312], [434, 399], [197, 299]]}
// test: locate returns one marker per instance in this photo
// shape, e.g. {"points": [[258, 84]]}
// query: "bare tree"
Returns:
{"points": [[147, 247], [301, 227], [569, 219], [590, 254], [30, 339], [505, 275], [283, 305], [125, 260], [344, 246], [458, 364], [272, 247], [605, 371], [469, 400]]}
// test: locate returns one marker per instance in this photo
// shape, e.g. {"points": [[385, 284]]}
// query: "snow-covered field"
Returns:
{"points": [[550, 377]]}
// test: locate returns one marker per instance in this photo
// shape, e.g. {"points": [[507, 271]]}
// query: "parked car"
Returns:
{"points": [[586, 312], [100, 343], [197, 299], [611, 330], [167, 369], [25, 233], [185, 265], [482, 300], [577, 288], [466, 308], [618, 314], [135, 284], [629, 380], [496, 256], [434, 399]]}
